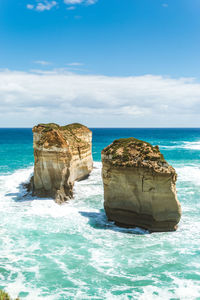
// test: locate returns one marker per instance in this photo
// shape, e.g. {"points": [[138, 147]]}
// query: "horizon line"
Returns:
{"points": [[113, 127]]}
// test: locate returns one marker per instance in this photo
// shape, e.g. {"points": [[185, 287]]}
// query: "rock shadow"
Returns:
{"points": [[98, 220]]}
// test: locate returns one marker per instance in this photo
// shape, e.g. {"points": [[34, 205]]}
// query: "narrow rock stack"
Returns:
{"points": [[62, 155], [139, 186]]}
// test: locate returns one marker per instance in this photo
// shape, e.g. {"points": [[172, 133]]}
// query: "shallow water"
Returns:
{"points": [[71, 251]]}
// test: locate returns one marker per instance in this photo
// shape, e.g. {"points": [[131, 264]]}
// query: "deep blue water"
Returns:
{"points": [[49, 251], [16, 149]]}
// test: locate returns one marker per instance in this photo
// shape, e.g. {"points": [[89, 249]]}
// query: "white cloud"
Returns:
{"points": [[74, 2], [42, 5], [165, 5], [42, 62], [89, 2], [48, 5], [75, 64], [71, 8], [139, 101], [30, 6]]}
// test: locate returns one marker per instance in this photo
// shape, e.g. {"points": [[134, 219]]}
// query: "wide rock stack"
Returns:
{"points": [[139, 186], [62, 155]]}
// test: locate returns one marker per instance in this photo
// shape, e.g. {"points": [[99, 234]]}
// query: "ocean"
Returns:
{"points": [[71, 251]]}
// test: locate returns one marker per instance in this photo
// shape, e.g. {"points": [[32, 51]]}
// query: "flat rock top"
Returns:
{"points": [[53, 126], [53, 135], [131, 152]]}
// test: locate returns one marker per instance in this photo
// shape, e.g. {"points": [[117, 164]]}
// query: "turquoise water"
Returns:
{"points": [[71, 251]]}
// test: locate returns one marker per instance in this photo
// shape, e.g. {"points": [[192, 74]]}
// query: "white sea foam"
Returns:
{"points": [[84, 252], [189, 174], [12, 183], [192, 145], [182, 289], [162, 147], [182, 145]]}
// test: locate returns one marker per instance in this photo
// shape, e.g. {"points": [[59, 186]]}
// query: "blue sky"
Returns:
{"points": [[124, 60], [110, 37]]}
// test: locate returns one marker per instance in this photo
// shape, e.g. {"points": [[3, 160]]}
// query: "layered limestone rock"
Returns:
{"points": [[62, 155], [139, 186]]}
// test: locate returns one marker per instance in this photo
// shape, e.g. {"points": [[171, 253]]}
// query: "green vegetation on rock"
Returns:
{"points": [[71, 126], [5, 296], [50, 126], [52, 134], [127, 151]]}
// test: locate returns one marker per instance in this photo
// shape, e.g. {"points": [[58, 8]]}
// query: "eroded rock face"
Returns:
{"points": [[62, 155], [139, 186]]}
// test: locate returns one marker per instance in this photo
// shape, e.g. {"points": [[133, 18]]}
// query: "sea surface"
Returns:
{"points": [[71, 251]]}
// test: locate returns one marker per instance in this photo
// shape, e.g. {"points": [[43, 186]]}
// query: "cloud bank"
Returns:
{"points": [[27, 98]]}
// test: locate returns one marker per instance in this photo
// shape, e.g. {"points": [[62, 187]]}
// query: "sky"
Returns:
{"points": [[103, 63]]}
